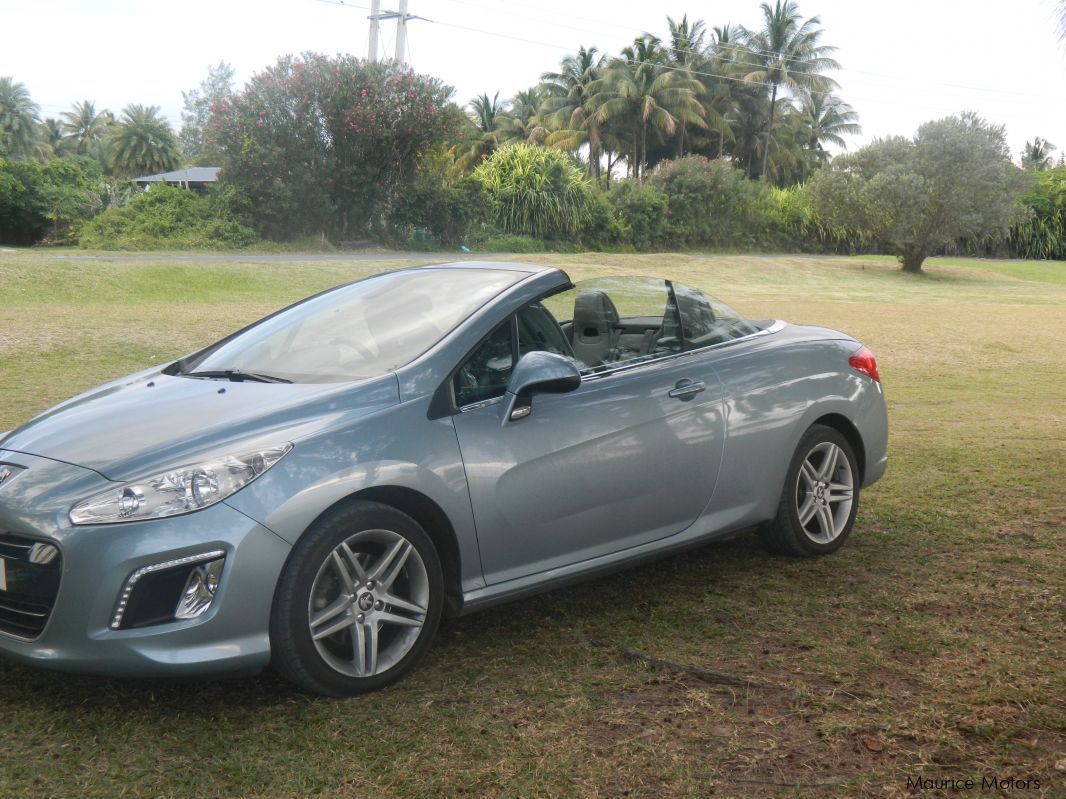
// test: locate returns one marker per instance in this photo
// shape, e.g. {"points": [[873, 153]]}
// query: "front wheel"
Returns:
{"points": [[820, 496], [357, 602]]}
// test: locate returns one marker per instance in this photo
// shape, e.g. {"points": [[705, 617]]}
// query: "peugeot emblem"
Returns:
{"points": [[5, 473]]}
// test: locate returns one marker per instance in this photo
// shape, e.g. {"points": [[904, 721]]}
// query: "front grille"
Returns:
{"points": [[31, 590]]}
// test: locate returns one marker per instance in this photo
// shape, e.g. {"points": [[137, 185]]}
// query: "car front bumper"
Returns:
{"points": [[97, 561]]}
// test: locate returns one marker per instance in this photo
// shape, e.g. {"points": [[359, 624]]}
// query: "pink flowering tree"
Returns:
{"points": [[329, 145]]}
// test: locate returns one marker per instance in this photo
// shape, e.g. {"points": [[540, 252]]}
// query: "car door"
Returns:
{"points": [[629, 457]]}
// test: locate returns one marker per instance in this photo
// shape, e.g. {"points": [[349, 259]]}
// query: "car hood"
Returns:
{"points": [[153, 421]]}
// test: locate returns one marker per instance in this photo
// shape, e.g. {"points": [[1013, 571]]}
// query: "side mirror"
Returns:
{"points": [[538, 373]]}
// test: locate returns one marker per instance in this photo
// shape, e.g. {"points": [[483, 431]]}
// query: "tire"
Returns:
{"points": [[358, 601], [820, 498]]}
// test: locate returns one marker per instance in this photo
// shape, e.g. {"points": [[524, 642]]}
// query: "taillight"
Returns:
{"points": [[864, 361]]}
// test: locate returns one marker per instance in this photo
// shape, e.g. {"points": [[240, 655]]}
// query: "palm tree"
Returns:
{"points": [[51, 138], [85, 128], [829, 119], [1036, 155], [142, 142], [522, 122], [483, 134], [685, 54], [19, 120], [641, 92], [786, 52], [566, 106]]}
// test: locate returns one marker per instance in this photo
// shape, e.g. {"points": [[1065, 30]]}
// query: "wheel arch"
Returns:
{"points": [[846, 428], [431, 518]]}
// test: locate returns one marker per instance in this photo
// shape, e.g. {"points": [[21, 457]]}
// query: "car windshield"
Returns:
{"points": [[358, 331]]}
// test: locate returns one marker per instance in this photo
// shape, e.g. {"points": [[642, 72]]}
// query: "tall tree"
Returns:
{"points": [[84, 128], [786, 51], [685, 54], [200, 104], [142, 143], [523, 121], [483, 132], [567, 105], [330, 145], [19, 120], [1036, 155], [50, 138], [639, 92], [829, 119], [954, 180]]}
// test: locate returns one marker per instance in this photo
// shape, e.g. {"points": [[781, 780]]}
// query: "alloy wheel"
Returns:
{"points": [[368, 603], [825, 489]]}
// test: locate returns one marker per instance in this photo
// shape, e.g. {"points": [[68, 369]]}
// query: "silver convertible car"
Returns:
{"points": [[314, 491]]}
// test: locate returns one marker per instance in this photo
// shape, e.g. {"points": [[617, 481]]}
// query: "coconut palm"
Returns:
{"points": [[484, 131], [142, 142], [689, 54], [566, 106], [523, 122], [84, 128], [639, 91], [51, 138], [19, 120], [786, 52], [829, 119], [685, 54], [1036, 155]]}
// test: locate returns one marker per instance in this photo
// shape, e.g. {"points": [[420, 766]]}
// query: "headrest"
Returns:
{"points": [[594, 304]]}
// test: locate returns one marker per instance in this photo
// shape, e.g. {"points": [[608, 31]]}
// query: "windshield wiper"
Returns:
{"points": [[237, 375]]}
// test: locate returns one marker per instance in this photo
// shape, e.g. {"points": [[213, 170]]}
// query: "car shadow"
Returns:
{"points": [[587, 606]]}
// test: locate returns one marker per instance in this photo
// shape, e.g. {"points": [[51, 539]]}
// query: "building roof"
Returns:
{"points": [[194, 174]]}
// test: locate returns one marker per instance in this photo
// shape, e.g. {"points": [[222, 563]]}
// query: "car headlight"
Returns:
{"points": [[177, 491]]}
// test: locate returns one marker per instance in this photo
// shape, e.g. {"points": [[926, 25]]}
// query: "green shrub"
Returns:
{"points": [[1042, 234], [23, 206], [640, 212], [600, 229], [711, 203], [535, 191], [447, 209], [167, 217], [794, 225], [507, 242], [74, 190]]}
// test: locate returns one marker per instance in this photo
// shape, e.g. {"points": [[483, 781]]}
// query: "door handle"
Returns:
{"points": [[686, 389]]}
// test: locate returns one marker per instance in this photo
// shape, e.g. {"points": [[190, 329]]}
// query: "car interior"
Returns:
{"points": [[596, 338]]}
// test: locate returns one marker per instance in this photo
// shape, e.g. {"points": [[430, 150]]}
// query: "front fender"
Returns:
{"points": [[397, 447]]}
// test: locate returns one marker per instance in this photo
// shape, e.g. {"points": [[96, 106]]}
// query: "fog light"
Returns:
{"points": [[199, 591], [174, 589]]}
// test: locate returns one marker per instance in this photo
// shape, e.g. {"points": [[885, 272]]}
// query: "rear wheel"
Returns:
{"points": [[358, 601], [820, 497]]}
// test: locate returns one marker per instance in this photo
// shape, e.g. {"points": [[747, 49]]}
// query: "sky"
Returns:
{"points": [[902, 63]]}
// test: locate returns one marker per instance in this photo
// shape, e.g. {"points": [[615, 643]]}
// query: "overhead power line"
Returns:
{"points": [[736, 47], [688, 70]]}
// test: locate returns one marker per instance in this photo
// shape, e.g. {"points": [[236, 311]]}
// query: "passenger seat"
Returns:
{"points": [[596, 327]]}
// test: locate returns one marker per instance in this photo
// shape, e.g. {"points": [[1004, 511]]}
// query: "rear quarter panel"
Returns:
{"points": [[775, 388]]}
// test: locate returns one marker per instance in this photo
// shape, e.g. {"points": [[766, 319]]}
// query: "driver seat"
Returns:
{"points": [[595, 327]]}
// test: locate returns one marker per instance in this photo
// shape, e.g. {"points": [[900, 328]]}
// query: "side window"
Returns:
{"points": [[484, 374], [706, 321], [611, 321], [538, 331]]}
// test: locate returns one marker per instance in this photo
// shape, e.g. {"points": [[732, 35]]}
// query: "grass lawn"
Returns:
{"points": [[933, 645]]}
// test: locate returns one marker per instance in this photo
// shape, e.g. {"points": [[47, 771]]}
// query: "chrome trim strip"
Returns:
{"points": [[473, 406], [776, 327], [33, 613], [124, 598]]}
